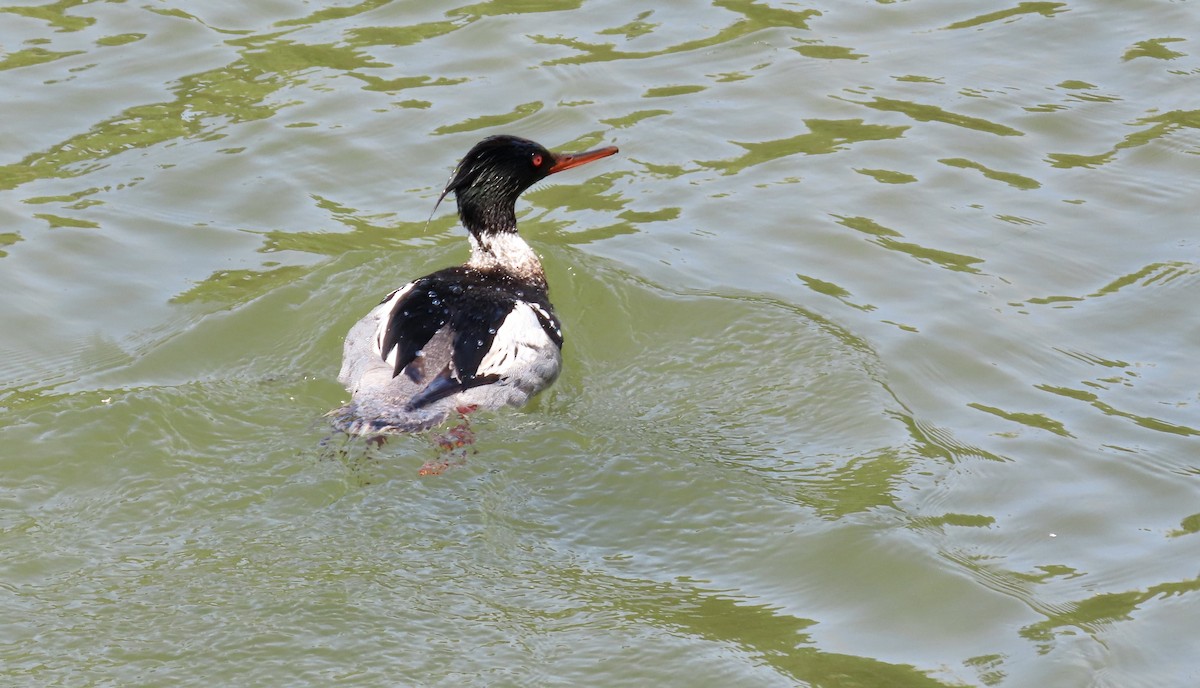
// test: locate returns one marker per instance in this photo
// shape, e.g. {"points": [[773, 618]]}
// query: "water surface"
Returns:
{"points": [[879, 366]]}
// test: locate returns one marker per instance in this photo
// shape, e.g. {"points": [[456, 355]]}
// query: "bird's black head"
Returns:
{"points": [[497, 170]]}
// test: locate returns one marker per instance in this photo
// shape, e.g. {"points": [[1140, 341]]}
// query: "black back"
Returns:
{"points": [[473, 304]]}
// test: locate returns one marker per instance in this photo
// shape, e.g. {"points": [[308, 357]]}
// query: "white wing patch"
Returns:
{"points": [[549, 318], [520, 343], [384, 314]]}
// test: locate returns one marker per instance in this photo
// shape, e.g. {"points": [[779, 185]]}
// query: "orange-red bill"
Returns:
{"points": [[565, 161]]}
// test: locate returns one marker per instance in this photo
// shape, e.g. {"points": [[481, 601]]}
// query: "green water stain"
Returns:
{"points": [[827, 52], [729, 77], [933, 113], [1187, 526], [33, 56], [278, 56], [1033, 420], [776, 639], [1045, 107], [665, 91], [399, 36], [364, 236], [867, 226], [590, 195], [378, 84], [1149, 275], [988, 667], [58, 221], [1069, 160], [371, 233], [1011, 178], [1147, 422], [887, 238], [824, 136], [1154, 48], [830, 289], [232, 287], [66, 198], [331, 13], [8, 239], [959, 520], [120, 39], [55, 14], [180, 14], [661, 215], [1049, 300], [934, 442], [1161, 125], [1018, 220], [664, 171], [1094, 98], [634, 29], [502, 7], [755, 17], [204, 101], [633, 118], [518, 113], [1102, 610], [1046, 9], [888, 176], [1092, 359]]}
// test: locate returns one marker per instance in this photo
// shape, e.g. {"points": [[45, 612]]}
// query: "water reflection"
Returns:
{"points": [[1163, 126], [1093, 399], [889, 238], [1013, 179], [1046, 9], [767, 634], [33, 56], [1094, 614], [824, 136], [55, 14], [755, 17], [739, 387], [926, 112]]}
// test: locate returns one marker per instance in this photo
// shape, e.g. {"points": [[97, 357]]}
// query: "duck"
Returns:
{"points": [[477, 336]]}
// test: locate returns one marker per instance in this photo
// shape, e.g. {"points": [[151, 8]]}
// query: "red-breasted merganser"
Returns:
{"points": [[480, 335]]}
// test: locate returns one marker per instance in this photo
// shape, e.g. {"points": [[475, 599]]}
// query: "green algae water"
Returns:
{"points": [[879, 364]]}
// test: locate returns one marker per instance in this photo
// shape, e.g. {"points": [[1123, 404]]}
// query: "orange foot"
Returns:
{"points": [[441, 466], [455, 438], [452, 441], [458, 436], [434, 468]]}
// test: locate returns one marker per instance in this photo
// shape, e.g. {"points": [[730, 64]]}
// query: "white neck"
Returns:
{"points": [[505, 250]]}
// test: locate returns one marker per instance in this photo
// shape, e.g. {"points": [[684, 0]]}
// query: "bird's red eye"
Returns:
{"points": [[537, 159]]}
